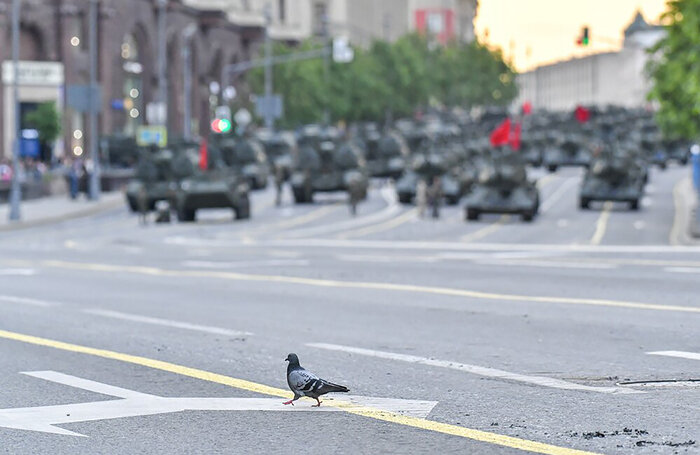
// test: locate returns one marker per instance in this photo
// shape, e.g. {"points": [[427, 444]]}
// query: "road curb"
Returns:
{"points": [[98, 208]]}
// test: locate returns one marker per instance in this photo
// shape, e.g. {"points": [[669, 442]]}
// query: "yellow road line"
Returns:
{"points": [[241, 384], [483, 232], [381, 227], [602, 224], [154, 271]]}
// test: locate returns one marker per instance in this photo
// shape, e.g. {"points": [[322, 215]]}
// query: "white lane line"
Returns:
{"points": [[679, 354], [385, 259], [246, 264], [485, 231], [165, 322], [17, 272], [546, 264], [28, 301], [548, 203], [382, 227], [392, 208], [682, 269], [602, 224], [475, 369]]}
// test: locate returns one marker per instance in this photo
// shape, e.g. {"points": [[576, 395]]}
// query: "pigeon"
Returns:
{"points": [[306, 384]]}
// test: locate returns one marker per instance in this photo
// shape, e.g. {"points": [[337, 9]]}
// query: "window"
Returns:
{"points": [[320, 12], [282, 9]]}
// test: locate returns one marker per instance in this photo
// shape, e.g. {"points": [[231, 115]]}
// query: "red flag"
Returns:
{"points": [[582, 114], [514, 139], [527, 108], [501, 134], [203, 156]]}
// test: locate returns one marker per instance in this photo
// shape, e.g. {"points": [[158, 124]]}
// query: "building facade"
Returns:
{"points": [[54, 57], [612, 78]]}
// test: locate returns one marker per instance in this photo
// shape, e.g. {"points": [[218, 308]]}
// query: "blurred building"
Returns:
{"points": [[54, 56], [616, 78], [360, 20]]}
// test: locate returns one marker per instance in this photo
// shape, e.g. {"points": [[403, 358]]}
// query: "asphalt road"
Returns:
{"points": [[577, 332]]}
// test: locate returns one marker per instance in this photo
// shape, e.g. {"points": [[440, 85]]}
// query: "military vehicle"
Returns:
{"points": [[387, 158], [153, 180], [247, 157], [678, 150], [569, 150], [613, 177], [216, 187], [326, 164], [426, 166], [280, 148], [503, 187], [531, 148]]}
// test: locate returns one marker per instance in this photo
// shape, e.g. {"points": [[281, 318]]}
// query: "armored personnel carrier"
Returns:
{"points": [[280, 148], [569, 151], [247, 157], [613, 177], [426, 166], [216, 187], [326, 164], [503, 187], [388, 158], [153, 180]]}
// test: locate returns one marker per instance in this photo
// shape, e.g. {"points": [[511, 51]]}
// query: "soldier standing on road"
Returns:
{"points": [[142, 201], [279, 184], [421, 197], [435, 196]]}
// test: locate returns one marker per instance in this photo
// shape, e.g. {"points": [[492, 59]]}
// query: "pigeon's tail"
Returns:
{"points": [[329, 387]]}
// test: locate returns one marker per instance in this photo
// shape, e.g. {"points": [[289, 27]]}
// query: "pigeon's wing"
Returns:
{"points": [[301, 381], [322, 387]]}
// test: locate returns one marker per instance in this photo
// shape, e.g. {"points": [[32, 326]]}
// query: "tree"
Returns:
{"points": [[675, 71], [46, 120]]}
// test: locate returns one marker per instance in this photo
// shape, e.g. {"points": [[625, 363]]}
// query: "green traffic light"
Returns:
{"points": [[224, 125]]}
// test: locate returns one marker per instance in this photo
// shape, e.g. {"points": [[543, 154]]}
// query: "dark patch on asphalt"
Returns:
{"points": [[602, 434], [665, 443]]}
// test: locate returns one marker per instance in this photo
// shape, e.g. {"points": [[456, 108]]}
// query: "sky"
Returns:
{"points": [[534, 32]]}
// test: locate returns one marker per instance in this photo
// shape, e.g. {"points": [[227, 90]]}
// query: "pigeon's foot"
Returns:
{"points": [[317, 405], [289, 402]]}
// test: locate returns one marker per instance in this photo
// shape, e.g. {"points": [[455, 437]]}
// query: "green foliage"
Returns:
{"points": [[398, 77], [46, 120], [675, 71]]}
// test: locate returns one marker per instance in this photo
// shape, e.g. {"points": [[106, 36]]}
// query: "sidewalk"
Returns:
{"points": [[686, 230], [54, 209]]}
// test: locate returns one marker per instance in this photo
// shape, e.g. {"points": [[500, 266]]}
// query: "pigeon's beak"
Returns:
{"points": [[287, 359]]}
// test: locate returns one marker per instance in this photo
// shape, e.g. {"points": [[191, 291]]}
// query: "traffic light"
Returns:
{"points": [[221, 125], [585, 37]]}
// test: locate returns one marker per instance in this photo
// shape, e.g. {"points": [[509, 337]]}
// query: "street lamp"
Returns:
{"points": [[94, 104], [16, 189], [187, 35], [162, 60]]}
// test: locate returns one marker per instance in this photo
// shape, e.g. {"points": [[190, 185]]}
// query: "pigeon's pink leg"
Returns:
{"points": [[289, 402], [317, 405]]}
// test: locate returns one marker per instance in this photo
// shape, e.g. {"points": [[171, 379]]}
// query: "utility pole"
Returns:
{"points": [[269, 117], [162, 60], [16, 189], [187, 67], [327, 70], [93, 103]]}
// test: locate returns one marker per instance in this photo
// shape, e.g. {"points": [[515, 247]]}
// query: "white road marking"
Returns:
{"points": [[28, 301], [385, 259], [550, 264], [165, 322], [602, 224], [679, 354], [647, 202], [485, 231], [562, 223], [136, 404], [682, 269], [17, 272], [639, 225], [548, 203], [474, 369], [225, 265], [410, 215]]}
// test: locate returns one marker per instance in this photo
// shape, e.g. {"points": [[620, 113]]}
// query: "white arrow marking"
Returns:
{"points": [[18, 272], [134, 404], [679, 354]]}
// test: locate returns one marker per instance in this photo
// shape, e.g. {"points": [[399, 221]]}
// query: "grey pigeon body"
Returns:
{"points": [[306, 384]]}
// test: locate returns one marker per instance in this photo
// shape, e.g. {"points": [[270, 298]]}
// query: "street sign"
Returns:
{"points": [[78, 98], [342, 52], [136, 404], [269, 106], [151, 135], [155, 113]]}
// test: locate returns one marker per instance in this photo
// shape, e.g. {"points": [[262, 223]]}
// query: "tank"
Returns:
{"points": [[324, 164], [388, 157], [247, 157], [218, 186], [503, 187], [569, 150], [426, 166], [280, 148], [153, 180], [613, 177]]}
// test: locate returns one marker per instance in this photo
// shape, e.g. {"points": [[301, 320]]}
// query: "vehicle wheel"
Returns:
{"points": [[133, 206], [584, 203], [472, 214], [684, 161], [405, 198], [663, 166], [634, 204], [528, 216], [185, 215], [299, 196], [552, 167], [243, 209], [452, 200]]}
